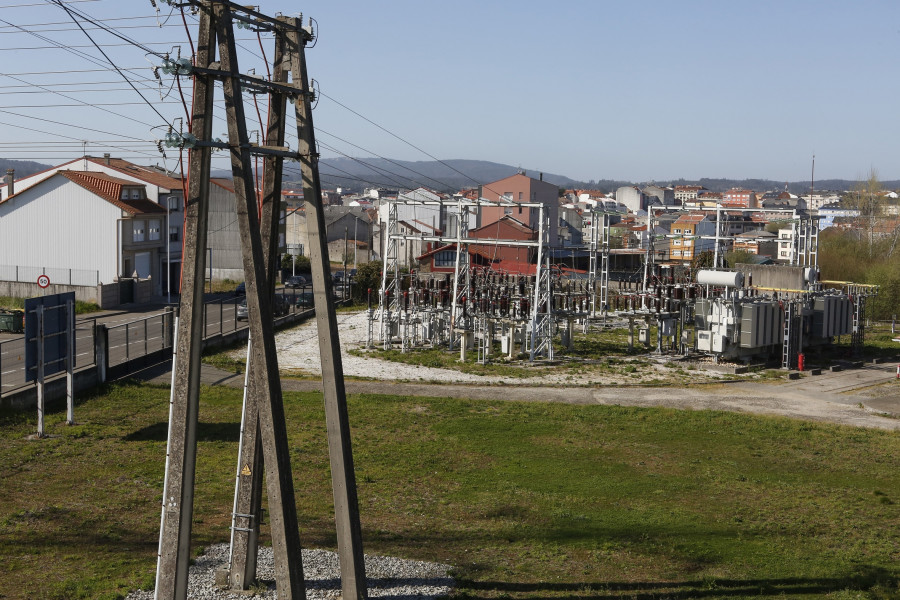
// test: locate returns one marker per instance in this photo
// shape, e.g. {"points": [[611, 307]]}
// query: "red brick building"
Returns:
{"points": [[521, 188]]}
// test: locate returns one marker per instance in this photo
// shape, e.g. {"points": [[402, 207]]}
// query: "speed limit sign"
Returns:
{"points": [[43, 281]]}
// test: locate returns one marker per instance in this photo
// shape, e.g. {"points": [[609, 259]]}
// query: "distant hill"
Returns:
{"points": [[446, 176], [23, 168], [457, 174]]}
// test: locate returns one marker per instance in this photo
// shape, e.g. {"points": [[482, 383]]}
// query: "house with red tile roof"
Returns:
{"points": [[161, 186], [83, 227]]}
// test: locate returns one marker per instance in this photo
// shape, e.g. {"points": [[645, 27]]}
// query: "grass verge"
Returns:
{"points": [[526, 500]]}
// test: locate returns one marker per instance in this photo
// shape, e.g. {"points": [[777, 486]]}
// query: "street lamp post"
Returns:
{"points": [[168, 255]]}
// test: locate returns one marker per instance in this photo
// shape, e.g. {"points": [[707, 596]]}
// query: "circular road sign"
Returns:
{"points": [[43, 281]]}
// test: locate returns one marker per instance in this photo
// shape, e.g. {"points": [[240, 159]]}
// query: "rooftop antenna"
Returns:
{"points": [[812, 181]]}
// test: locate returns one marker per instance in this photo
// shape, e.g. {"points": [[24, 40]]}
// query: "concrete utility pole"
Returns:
{"points": [[264, 381], [343, 478], [248, 488], [181, 453], [271, 432], [264, 431]]}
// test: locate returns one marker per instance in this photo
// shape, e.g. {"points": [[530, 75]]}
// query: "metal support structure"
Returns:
{"points": [[542, 309], [389, 296], [717, 250], [604, 269], [461, 279]]}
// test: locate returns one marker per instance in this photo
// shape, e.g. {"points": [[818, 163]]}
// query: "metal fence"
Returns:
{"points": [[83, 277]]}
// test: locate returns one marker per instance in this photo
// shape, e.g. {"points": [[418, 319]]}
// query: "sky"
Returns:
{"points": [[638, 91]]}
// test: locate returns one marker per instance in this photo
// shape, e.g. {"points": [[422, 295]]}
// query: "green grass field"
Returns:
{"points": [[526, 500]]}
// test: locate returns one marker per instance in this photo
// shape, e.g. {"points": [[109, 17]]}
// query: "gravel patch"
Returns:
{"points": [[387, 577], [298, 351]]}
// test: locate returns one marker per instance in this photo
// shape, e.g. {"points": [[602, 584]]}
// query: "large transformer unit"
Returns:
{"points": [[736, 325]]}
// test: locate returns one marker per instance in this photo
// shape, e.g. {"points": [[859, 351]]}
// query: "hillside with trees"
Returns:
{"points": [[23, 168]]}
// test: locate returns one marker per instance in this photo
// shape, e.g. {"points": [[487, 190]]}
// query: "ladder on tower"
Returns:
{"points": [[787, 347], [604, 266], [858, 334], [593, 247], [812, 243]]}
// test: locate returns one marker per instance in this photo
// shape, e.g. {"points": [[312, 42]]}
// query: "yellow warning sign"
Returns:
{"points": [[245, 470]]}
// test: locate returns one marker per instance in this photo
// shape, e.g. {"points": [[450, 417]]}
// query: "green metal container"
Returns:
{"points": [[12, 321]]}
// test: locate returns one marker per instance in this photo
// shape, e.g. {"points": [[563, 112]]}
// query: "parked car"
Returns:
{"points": [[241, 289], [281, 307], [295, 281], [338, 276]]}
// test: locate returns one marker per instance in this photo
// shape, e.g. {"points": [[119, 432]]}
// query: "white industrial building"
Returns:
{"points": [[160, 186], [81, 228]]}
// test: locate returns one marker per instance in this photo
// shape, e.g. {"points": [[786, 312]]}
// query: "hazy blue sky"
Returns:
{"points": [[622, 90]]}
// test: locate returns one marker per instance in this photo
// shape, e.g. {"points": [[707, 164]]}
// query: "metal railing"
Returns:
{"points": [[138, 338], [12, 357], [135, 339]]}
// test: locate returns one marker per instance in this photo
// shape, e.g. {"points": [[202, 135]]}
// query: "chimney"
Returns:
{"points": [[106, 158], [10, 182]]}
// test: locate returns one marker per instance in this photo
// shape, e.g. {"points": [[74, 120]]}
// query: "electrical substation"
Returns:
{"points": [[771, 314]]}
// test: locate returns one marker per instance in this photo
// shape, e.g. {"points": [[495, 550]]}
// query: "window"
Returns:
{"points": [[135, 194], [677, 242], [137, 231], [507, 210], [173, 203], [446, 258], [676, 231], [521, 196], [687, 242], [154, 230], [676, 252], [173, 234]]}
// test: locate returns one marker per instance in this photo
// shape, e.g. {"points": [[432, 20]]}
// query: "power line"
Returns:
{"points": [[40, 29], [96, 105], [378, 170], [70, 13], [69, 71], [441, 183], [80, 102], [15, 114], [392, 134], [101, 20], [44, 3]]}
